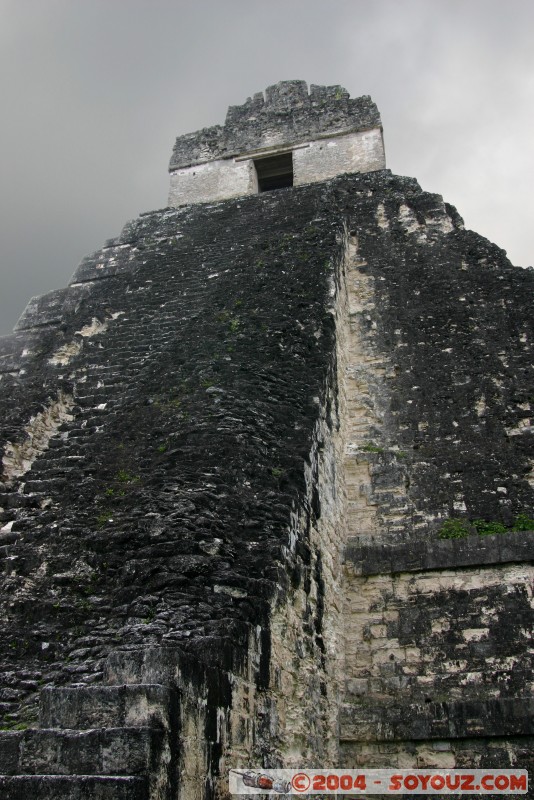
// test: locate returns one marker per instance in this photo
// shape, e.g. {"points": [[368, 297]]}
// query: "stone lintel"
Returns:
{"points": [[454, 720], [379, 557]]}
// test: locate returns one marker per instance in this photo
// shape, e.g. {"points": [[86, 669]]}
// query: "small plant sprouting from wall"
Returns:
{"points": [[123, 476], [123, 483], [484, 528], [456, 528], [228, 318], [103, 518], [523, 523], [150, 616], [371, 447]]}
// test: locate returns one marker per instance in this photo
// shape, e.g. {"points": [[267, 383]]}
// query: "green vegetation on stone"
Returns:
{"points": [[103, 518], [523, 523], [456, 528], [370, 447], [484, 528], [18, 726], [123, 476]]}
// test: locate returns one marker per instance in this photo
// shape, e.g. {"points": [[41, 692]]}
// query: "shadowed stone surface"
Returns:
{"points": [[86, 787], [106, 706], [161, 511], [104, 752], [163, 425], [370, 558]]}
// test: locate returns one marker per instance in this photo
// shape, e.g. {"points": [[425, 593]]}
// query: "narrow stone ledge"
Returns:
{"points": [[378, 558], [104, 751], [456, 720], [76, 787], [166, 665], [101, 265], [85, 707], [52, 308], [15, 351]]}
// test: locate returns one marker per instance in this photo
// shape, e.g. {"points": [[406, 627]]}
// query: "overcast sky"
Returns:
{"points": [[93, 93]]}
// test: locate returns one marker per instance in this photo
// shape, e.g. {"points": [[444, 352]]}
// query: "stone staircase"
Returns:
{"points": [[95, 743]]}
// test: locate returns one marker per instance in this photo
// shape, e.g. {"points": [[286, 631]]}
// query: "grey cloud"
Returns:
{"points": [[93, 94]]}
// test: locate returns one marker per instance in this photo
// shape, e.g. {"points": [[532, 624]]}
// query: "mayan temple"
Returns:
{"points": [[267, 490]]}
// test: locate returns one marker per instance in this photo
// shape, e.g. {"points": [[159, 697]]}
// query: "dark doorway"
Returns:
{"points": [[274, 172]]}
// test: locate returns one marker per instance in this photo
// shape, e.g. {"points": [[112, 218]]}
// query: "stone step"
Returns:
{"points": [[457, 719], [170, 665], [413, 690], [79, 787], [43, 485], [152, 665], [16, 500], [101, 751], [83, 707], [92, 400]]}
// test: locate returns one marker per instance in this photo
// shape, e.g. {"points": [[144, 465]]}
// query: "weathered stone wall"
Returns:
{"points": [[437, 666], [190, 433], [314, 162], [328, 132], [286, 116], [212, 182], [326, 158], [445, 382], [439, 655], [158, 530]]}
